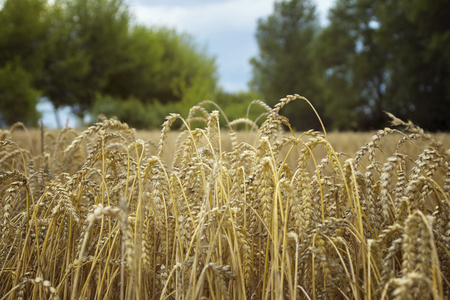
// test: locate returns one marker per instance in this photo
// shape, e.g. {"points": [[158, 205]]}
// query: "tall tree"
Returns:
{"points": [[76, 51], [378, 56], [351, 64], [23, 30], [416, 39], [66, 62], [95, 52], [285, 63], [87, 46]]}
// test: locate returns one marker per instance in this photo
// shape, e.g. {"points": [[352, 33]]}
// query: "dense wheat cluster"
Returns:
{"points": [[101, 215]]}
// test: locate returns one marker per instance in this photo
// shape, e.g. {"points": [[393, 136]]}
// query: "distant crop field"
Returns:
{"points": [[213, 213]]}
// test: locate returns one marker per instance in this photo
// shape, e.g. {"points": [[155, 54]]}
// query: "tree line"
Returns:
{"points": [[371, 56], [90, 55]]}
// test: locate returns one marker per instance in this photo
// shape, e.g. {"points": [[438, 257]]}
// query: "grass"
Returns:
{"points": [[218, 214]]}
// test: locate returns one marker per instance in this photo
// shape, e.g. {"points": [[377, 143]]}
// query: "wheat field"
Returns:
{"points": [[212, 213]]}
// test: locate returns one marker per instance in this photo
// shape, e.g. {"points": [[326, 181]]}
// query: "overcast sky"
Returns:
{"points": [[226, 27]]}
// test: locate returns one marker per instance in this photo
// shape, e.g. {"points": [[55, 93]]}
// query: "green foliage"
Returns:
{"points": [[18, 98], [133, 112], [151, 115], [76, 50], [127, 63], [86, 48], [66, 62], [163, 65], [188, 74], [285, 62], [386, 60], [142, 66], [351, 64], [23, 30], [416, 41], [373, 56]]}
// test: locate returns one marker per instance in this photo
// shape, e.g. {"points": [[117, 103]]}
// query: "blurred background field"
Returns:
{"points": [[343, 142]]}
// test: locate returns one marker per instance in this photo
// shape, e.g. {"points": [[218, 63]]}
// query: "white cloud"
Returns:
{"points": [[208, 18]]}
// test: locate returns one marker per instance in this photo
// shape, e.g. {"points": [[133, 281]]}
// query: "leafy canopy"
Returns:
{"points": [[78, 51], [372, 56]]}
